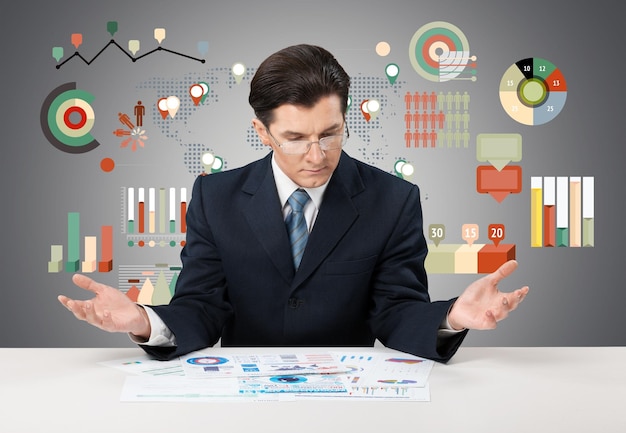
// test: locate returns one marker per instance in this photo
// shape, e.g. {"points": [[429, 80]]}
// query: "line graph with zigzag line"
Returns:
{"points": [[133, 46]]}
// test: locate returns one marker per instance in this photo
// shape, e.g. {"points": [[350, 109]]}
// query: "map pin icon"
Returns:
{"points": [[392, 70], [196, 91], [173, 103], [365, 110], [162, 106], [238, 70]]}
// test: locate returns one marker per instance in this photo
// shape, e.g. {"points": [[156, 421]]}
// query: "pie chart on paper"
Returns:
{"points": [[533, 91]]}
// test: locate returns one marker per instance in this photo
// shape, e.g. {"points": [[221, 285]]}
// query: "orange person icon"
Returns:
{"points": [[125, 120], [140, 111]]}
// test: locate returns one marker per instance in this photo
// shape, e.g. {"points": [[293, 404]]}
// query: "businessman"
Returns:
{"points": [[304, 247]]}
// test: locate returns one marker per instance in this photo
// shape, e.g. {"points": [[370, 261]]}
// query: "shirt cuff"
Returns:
{"points": [[445, 328], [160, 334]]}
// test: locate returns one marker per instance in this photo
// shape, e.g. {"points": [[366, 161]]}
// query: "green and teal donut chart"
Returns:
{"points": [[533, 91]]}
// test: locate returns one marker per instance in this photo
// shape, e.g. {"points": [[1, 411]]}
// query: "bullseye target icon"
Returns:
{"points": [[67, 119], [439, 51]]}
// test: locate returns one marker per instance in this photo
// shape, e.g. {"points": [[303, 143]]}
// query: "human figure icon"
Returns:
{"points": [[125, 119], [140, 111]]}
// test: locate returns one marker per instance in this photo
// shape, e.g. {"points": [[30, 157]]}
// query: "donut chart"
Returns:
{"points": [[533, 91], [67, 119], [207, 360], [439, 51]]}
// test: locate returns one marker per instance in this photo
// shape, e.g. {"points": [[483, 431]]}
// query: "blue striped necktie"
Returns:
{"points": [[296, 225]]}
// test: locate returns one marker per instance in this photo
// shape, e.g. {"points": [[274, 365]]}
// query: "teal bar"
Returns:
{"points": [[73, 242], [562, 237]]}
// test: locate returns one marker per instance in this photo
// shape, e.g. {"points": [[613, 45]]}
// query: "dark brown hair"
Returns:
{"points": [[298, 75]]}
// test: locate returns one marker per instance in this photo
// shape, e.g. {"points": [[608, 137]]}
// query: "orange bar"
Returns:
{"points": [[106, 250], [141, 211], [183, 217], [549, 226]]}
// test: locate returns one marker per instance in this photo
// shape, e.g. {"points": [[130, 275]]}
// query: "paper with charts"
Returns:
{"points": [[214, 375], [206, 365]]}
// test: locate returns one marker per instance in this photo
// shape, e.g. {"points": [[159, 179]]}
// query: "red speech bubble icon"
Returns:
{"points": [[77, 39], [499, 183], [496, 233]]}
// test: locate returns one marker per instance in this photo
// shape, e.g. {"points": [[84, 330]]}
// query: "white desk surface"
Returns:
{"points": [[481, 390]]}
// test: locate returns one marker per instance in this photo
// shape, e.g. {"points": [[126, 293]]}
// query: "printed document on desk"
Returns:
{"points": [[211, 364], [300, 375]]}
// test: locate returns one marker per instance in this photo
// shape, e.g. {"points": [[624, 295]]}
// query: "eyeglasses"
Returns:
{"points": [[300, 147]]}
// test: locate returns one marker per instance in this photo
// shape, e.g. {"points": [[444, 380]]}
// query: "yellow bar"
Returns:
{"points": [[536, 210]]}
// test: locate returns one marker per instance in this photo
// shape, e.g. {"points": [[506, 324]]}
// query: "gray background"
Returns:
{"points": [[576, 298]]}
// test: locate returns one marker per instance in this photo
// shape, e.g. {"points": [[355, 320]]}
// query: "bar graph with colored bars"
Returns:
{"points": [[154, 216], [562, 211], [71, 261]]}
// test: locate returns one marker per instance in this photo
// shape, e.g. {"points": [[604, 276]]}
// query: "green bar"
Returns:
{"points": [[73, 242], [562, 237], [588, 232]]}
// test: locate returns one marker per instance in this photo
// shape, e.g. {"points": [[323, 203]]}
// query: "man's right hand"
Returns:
{"points": [[110, 309]]}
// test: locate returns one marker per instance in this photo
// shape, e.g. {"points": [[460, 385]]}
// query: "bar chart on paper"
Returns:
{"points": [[562, 211], [96, 254], [152, 217]]}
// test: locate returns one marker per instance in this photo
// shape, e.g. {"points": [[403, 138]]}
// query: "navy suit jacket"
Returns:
{"points": [[361, 278]]}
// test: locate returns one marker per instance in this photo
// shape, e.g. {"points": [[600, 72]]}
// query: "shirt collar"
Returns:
{"points": [[285, 187]]}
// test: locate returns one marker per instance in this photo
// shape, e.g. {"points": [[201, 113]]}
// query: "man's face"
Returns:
{"points": [[294, 122]]}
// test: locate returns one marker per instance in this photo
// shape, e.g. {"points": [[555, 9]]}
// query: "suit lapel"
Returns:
{"points": [[336, 216], [263, 212]]}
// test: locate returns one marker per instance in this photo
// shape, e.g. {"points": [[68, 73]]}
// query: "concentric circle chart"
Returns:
{"points": [[67, 119], [439, 51], [533, 91], [207, 360]]}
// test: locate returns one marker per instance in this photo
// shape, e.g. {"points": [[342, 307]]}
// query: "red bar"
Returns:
{"points": [[106, 249], [141, 211], [183, 217], [549, 226]]}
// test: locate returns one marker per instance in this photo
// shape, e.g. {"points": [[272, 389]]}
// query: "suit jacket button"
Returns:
{"points": [[295, 302]]}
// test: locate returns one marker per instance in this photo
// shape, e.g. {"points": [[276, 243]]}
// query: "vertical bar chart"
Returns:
{"points": [[157, 213], [562, 211], [88, 262]]}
